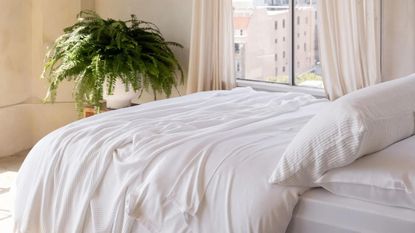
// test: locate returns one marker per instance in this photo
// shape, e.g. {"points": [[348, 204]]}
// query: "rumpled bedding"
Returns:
{"points": [[197, 163]]}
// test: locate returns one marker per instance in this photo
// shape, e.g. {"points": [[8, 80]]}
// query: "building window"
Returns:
{"points": [[237, 49], [297, 64]]}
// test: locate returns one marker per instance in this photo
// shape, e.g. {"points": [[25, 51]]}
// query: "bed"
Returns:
{"points": [[197, 163]]}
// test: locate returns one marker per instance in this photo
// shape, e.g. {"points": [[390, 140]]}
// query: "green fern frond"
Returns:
{"points": [[95, 52]]}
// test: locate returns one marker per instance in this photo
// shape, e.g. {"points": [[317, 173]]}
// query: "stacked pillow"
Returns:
{"points": [[357, 124], [386, 177]]}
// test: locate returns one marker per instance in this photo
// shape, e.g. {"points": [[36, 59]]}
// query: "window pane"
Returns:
{"points": [[308, 67], [262, 40]]}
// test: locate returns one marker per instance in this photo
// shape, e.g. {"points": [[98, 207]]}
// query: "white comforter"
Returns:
{"points": [[198, 163]]}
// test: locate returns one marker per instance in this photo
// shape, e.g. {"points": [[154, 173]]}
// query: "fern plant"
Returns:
{"points": [[95, 52]]}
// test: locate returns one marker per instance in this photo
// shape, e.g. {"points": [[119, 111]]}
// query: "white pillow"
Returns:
{"points": [[357, 124], [386, 177]]}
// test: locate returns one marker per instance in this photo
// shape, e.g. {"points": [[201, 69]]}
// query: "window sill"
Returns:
{"points": [[264, 86]]}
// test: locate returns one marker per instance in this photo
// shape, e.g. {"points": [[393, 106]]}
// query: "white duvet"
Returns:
{"points": [[198, 163]]}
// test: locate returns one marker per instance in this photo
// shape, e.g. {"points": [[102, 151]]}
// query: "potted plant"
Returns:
{"points": [[99, 55]]}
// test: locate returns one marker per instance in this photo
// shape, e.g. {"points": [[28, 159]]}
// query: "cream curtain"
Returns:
{"points": [[349, 33], [211, 50]]}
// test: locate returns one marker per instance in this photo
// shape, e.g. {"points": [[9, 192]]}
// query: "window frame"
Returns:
{"points": [[280, 87], [290, 86], [291, 53]]}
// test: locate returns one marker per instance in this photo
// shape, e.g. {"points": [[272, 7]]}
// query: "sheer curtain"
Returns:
{"points": [[349, 33], [211, 50]]}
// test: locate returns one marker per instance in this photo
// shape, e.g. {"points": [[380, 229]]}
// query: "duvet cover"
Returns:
{"points": [[197, 163]]}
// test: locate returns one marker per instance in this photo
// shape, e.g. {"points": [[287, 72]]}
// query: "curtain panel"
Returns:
{"points": [[349, 34], [211, 64]]}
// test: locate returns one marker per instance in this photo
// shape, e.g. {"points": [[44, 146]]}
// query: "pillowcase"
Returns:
{"points": [[360, 123], [386, 177]]}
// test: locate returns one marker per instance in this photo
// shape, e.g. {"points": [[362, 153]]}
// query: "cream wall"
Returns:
{"points": [[15, 69], [26, 28], [173, 17], [398, 38], [14, 43], [49, 17]]}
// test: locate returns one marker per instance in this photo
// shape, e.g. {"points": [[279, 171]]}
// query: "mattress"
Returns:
{"points": [[319, 211]]}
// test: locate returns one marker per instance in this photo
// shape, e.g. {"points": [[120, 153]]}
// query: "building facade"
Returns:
{"points": [[263, 40]]}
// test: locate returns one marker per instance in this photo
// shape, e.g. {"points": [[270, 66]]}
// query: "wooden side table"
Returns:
{"points": [[90, 111]]}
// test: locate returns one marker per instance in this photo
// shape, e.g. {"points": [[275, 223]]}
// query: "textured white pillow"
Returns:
{"points": [[386, 177], [360, 123]]}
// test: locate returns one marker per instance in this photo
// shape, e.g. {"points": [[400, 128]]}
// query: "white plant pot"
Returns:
{"points": [[119, 98]]}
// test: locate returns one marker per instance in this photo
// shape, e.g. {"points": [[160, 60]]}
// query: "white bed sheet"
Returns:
{"points": [[319, 211], [198, 163]]}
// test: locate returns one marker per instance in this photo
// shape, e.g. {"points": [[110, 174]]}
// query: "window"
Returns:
{"points": [[296, 65], [237, 49]]}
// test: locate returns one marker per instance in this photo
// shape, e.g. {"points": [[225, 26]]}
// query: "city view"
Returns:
{"points": [[264, 41]]}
